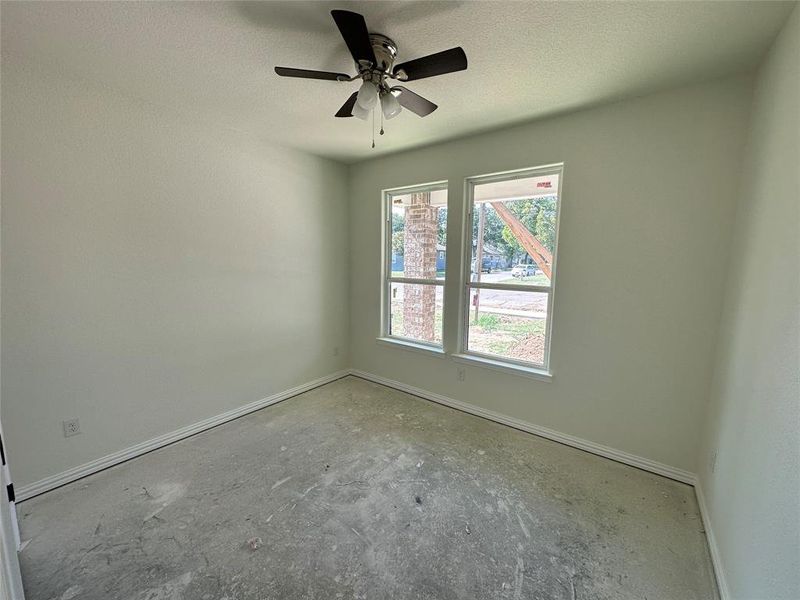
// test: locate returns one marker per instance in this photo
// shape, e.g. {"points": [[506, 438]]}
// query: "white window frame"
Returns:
{"points": [[386, 272], [491, 360]]}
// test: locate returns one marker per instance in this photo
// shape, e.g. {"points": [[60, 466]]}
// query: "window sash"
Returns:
{"points": [[468, 285], [497, 357], [387, 333], [389, 279]]}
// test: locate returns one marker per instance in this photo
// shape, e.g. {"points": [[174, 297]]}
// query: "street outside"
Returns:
{"points": [[512, 302]]}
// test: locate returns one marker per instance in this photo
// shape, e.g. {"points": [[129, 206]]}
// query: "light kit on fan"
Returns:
{"points": [[389, 105], [359, 112], [367, 95], [374, 56]]}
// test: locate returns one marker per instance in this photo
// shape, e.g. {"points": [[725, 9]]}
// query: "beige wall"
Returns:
{"points": [[648, 197], [753, 493], [155, 271]]}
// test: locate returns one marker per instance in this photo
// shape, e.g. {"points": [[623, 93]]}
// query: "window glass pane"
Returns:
{"points": [[419, 234], [514, 230], [508, 324], [416, 311]]}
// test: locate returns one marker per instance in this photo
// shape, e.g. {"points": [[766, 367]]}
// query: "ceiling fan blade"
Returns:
{"points": [[440, 63], [306, 74], [353, 28], [347, 107], [414, 102]]}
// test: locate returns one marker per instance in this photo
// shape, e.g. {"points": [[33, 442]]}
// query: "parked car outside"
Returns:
{"points": [[488, 264], [523, 270]]}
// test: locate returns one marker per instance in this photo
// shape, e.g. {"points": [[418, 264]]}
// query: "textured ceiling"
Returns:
{"points": [[526, 59]]}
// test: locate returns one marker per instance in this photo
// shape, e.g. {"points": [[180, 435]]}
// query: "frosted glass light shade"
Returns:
{"points": [[361, 113], [390, 106], [367, 95]]}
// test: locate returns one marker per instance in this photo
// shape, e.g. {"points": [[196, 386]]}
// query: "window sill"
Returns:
{"points": [[403, 344], [498, 365]]}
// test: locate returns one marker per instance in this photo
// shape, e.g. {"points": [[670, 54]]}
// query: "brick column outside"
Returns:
{"points": [[419, 302]]}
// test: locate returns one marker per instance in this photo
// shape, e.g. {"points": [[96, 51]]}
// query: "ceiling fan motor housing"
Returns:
{"points": [[385, 52]]}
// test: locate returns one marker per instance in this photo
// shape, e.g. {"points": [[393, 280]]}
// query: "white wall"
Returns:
{"points": [[156, 271], [648, 198], [753, 494]]}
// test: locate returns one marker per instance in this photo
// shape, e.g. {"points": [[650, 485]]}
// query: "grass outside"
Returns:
{"points": [[520, 338], [505, 336], [398, 328]]}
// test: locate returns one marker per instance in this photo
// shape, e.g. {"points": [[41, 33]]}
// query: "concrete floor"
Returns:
{"points": [[354, 490]]}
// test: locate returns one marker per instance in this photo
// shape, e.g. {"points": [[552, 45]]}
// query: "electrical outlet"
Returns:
{"points": [[462, 375], [714, 461], [71, 427]]}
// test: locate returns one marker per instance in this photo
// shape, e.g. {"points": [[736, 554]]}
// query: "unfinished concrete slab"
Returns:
{"points": [[355, 490]]}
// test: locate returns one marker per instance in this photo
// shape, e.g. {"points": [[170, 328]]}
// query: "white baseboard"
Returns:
{"points": [[629, 459], [713, 548], [54, 481]]}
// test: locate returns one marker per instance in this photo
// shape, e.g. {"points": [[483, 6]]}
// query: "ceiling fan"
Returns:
{"points": [[374, 55]]}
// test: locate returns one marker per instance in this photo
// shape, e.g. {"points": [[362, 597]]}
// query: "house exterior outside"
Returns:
{"points": [[398, 262], [493, 259]]}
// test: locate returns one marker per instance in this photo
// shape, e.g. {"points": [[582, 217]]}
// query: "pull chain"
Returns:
{"points": [[381, 122], [373, 127]]}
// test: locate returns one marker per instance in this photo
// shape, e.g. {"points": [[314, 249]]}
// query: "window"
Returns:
{"points": [[512, 231], [414, 267]]}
